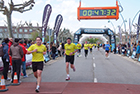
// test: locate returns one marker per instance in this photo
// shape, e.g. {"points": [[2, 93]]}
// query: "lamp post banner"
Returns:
{"points": [[57, 25], [46, 16], [129, 31], [138, 28], [58, 22], [120, 34]]}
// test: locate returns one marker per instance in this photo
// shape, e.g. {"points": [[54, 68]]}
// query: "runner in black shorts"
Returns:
{"points": [[70, 59], [107, 51], [37, 50], [70, 50], [37, 66], [79, 49], [107, 46]]}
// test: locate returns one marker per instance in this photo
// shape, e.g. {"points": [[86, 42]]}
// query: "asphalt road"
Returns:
{"points": [[96, 68]]}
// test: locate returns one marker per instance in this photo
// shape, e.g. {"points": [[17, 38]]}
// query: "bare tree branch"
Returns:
{"points": [[26, 6]]}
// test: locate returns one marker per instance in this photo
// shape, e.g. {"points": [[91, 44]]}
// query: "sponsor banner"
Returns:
{"points": [[129, 31], [58, 22], [57, 25], [89, 30], [120, 33], [46, 16], [138, 28]]}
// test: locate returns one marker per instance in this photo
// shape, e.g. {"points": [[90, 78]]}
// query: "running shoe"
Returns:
{"points": [[25, 76], [67, 78], [37, 90]]}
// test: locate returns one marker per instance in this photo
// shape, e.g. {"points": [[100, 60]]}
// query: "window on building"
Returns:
{"points": [[30, 30], [25, 30], [5, 30], [1, 30], [15, 30], [20, 30]]}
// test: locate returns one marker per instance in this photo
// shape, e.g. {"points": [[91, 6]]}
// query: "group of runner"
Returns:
{"points": [[90, 46], [38, 50]]}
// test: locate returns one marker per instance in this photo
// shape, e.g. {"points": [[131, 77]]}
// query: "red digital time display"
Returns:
{"points": [[98, 12]]}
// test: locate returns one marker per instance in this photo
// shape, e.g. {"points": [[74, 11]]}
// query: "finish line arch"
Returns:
{"points": [[107, 31]]}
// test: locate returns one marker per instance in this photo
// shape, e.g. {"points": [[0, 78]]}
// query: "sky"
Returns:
{"points": [[68, 9]]}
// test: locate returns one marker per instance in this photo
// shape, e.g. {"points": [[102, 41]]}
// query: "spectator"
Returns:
{"points": [[62, 48], [24, 58], [53, 49], [123, 49], [16, 53], [29, 43], [59, 49], [10, 44], [25, 43], [32, 42], [134, 47], [5, 58], [138, 50]]}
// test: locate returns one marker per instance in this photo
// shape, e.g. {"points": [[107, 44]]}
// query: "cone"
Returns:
{"points": [[15, 80], [2, 86]]}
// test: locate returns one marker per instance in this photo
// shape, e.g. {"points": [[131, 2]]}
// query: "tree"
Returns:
{"points": [[34, 35], [14, 7], [38, 29], [91, 40]]}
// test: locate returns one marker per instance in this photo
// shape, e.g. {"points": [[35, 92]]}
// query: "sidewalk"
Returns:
{"points": [[28, 71], [74, 88]]}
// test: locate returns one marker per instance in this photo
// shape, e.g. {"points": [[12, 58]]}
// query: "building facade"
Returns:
{"points": [[18, 32]]}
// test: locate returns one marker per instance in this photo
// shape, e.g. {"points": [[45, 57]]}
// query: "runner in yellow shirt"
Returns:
{"points": [[37, 50], [79, 49], [70, 50], [90, 46], [86, 47]]}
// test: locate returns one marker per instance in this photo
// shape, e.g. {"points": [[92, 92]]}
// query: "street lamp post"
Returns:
{"points": [[112, 25], [124, 26], [133, 21]]}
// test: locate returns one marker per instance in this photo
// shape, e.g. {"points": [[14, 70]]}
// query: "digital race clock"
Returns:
{"points": [[98, 12]]}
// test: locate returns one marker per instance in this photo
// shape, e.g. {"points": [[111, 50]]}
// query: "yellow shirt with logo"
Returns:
{"points": [[37, 56], [91, 45], [79, 46], [70, 48], [86, 46]]}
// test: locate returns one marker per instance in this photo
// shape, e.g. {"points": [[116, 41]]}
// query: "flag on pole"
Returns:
{"points": [[57, 25], [138, 28], [120, 34], [46, 16]]}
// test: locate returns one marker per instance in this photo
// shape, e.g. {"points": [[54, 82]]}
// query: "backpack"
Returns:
{"points": [[1, 51]]}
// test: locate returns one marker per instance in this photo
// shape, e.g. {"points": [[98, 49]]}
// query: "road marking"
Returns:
{"points": [[94, 65], [95, 80], [93, 57]]}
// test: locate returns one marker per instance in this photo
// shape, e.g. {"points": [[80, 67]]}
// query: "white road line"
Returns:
{"points": [[95, 80], [94, 65], [93, 57]]}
